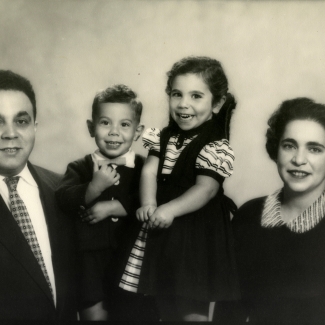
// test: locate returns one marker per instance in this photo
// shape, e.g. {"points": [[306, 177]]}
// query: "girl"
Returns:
{"points": [[185, 241]]}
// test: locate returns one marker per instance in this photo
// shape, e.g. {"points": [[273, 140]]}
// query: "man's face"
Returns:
{"points": [[17, 131]]}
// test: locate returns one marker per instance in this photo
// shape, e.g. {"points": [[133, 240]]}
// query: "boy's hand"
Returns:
{"points": [[144, 213], [161, 218], [97, 213], [104, 178]]}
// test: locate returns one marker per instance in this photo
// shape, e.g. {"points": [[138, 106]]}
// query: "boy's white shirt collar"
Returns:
{"points": [[129, 157]]}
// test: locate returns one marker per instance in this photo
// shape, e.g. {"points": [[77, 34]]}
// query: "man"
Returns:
{"points": [[36, 279]]}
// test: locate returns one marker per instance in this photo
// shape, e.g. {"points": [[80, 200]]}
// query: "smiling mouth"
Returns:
{"points": [[298, 173], [10, 150], [113, 144], [185, 116]]}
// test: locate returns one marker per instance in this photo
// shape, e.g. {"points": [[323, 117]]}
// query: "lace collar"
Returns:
{"points": [[271, 216]]}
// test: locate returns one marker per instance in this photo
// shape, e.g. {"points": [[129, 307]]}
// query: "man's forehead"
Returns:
{"points": [[14, 103]]}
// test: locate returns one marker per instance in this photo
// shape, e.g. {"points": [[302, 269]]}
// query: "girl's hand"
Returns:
{"points": [[104, 178], [162, 217], [144, 213], [97, 213]]}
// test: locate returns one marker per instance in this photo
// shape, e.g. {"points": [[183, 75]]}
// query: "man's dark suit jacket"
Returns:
{"points": [[24, 293]]}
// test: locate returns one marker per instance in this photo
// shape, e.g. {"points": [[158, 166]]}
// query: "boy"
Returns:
{"points": [[101, 190]]}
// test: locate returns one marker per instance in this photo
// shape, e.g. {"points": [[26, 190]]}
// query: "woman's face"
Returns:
{"points": [[301, 157]]}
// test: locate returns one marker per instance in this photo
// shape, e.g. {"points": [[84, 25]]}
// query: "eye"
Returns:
{"points": [[22, 121], [287, 146], [196, 96], [176, 94], [315, 150], [125, 124], [103, 122]]}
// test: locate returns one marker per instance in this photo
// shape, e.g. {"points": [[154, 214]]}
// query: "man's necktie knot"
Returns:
{"points": [[12, 183]]}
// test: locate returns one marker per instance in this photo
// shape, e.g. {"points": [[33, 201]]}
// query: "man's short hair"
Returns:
{"points": [[13, 81]]}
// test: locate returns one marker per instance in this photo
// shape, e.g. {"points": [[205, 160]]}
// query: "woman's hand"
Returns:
{"points": [[145, 212], [162, 217]]}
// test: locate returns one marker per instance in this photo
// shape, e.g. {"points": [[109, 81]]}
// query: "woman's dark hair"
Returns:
{"points": [[117, 94], [213, 75], [13, 81], [294, 109]]}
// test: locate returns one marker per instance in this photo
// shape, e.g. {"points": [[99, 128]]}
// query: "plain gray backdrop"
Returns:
{"points": [[69, 49]]}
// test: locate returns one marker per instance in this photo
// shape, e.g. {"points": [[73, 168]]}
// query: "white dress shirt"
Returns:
{"points": [[28, 191]]}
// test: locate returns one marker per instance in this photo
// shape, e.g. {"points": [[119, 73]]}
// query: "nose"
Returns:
{"points": [[183, 102], [299, 158], [114, 130], [8, 132]]}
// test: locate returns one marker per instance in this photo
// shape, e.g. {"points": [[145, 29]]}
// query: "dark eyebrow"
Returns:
{"points": [[197, 92], [23, 113], [314, 143], [289, 140], [19, 114]]}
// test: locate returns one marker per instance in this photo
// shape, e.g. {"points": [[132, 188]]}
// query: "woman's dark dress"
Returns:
{"points": [[282, 273]]}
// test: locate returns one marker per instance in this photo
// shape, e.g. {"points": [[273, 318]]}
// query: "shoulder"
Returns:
{"points": [[219, 146], [151, 133], [151, 139], [47, 176], [82, 161], [139, 160], [250, 211], [82, 165]]}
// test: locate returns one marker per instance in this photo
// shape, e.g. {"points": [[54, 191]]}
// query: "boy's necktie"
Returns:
{"points": [[20, 213]]}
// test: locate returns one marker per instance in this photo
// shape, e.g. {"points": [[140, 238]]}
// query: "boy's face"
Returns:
{"points": [[114, 128], [17, 131]]}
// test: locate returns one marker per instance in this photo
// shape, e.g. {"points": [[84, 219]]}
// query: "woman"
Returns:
{"points": [[280, 239]]}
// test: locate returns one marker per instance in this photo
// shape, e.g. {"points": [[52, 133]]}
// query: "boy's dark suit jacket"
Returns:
{"points": [[110, 232], [24, 293]]}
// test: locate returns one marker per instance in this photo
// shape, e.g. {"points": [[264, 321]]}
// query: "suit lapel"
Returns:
{"points": [[49, 209], [12, 238]]}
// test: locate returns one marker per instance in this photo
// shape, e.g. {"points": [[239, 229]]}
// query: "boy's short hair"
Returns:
{"points": [[118, 94], [13, 81]]}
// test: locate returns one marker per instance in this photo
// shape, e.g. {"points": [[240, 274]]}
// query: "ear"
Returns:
{"points": [[217, 106], [91, 128], [35, 126], [138, 132]]}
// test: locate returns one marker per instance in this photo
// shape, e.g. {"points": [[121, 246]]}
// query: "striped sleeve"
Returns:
{"points": [[216, 157], [151, 139]]}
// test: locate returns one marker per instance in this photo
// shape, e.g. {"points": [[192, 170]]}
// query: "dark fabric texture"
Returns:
{"points": [[71, 195], [194, 257], [103, 247], [24, 293], [282, 273]]}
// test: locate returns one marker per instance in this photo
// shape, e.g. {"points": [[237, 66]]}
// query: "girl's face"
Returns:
{"points": [[190, 101], [301, 157]]}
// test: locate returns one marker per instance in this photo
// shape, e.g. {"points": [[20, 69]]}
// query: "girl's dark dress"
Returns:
{"points": [[281, 267], [194, 257]]}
